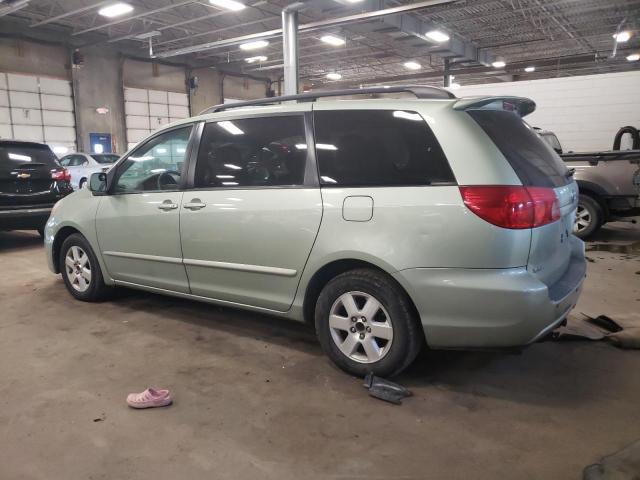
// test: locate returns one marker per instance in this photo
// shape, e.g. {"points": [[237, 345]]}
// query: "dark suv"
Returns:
{"points": [[31, 182]]}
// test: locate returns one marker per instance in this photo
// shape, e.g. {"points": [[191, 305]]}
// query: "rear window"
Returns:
{"points": [[378, 148], [105, 158], [535, 163], [14, 154]]}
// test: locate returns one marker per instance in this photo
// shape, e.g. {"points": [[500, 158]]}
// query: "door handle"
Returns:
{"points": [[168, 205], [195, 204]]}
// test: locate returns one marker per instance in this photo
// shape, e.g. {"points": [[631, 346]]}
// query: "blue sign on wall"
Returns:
{"points": [[100, 142]]}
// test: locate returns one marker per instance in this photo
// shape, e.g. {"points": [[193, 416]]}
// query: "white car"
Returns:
{"points": [[82, 165]]}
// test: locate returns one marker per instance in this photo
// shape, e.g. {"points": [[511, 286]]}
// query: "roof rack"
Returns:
{"points": [[420, 91]]}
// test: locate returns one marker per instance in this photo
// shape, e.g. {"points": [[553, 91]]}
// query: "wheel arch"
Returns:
{"points": [[330, 270], [596, 192], [61, 235]]}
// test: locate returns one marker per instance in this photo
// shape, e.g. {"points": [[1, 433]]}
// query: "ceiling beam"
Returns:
{"points": [[359, 17], [69, 13]]}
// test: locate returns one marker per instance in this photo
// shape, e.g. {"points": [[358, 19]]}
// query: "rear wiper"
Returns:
{"points": [[570, 172]]}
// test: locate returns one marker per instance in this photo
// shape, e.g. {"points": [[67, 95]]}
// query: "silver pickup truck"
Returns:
{"points": [[609, 184]]}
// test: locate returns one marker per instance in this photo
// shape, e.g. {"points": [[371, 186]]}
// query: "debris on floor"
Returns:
{"points": [[385, 390], [601, 327], [622, 465], [150, 398]]}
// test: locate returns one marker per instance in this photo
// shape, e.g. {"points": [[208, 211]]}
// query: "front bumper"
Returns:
{"points": [[491, 308]]}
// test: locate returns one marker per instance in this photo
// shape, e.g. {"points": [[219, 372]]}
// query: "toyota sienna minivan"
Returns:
{"points": [[386, 223]]}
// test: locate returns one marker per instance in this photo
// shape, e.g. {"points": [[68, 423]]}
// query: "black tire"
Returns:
{"points": [[408, 336], [82, 183], [96, 290], [593, 217]]}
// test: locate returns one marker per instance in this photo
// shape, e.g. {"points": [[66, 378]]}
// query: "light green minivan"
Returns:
{"points": [[386, 223]]}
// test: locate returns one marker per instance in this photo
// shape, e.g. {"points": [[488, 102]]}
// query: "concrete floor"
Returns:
{"points": [[255, 397]]}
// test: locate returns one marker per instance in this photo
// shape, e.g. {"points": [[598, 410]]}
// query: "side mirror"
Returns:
{"points": [[98, 183]]}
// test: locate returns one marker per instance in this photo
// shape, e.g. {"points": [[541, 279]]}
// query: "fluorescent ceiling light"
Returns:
{"points": [[232, 166], [530, 69], [225, 176], [412, 65], [499, 64], [115, 10], [259, 58], [622, 37], [254, 45], [333, 40], [326, 146], [355, 1], [17, 156], [634, 57], [228, 4], [334, 76], [231, 128], [437, 36], [180, 150]]}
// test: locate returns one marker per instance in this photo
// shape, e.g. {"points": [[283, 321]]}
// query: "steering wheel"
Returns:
{"points": [[165, 179]]}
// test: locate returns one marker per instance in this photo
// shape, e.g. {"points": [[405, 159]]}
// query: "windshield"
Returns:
{"points": [[105, 158], [15, 154]]}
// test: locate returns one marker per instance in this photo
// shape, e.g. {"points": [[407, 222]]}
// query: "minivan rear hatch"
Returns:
{"points": [[25, 174], [536, 165]]}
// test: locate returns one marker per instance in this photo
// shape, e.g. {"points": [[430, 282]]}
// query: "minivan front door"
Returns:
{"points": [[249, 224], [138, 222]]}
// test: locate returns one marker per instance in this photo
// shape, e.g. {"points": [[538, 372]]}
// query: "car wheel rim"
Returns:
{"points": [[360, 327], [78, 269], [583, 219]]}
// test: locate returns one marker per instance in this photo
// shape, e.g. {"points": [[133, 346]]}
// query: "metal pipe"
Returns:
{"points": [[290, 50], [447, 74], [359, 17]]}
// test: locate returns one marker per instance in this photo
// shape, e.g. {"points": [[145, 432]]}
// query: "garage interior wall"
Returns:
{"points": [[585, 112]]}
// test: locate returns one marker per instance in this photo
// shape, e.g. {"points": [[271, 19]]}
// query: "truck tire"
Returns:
{"points": [[589, 217]]}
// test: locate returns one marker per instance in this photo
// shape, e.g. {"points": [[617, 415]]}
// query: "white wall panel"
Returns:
{"points": [[24, 99], [26, 116], [157, 122], [22, 83], [5, 116], [57, 102], [585, 112], [178, 111], [60, 134], [3, 81], [135, 95], [134, 135], [178, 99], [27, 132], [4, 98], [5, 131], [136, 121], [58, 119], [136, 108], [55, 86], [158, 110], [157, 96]]}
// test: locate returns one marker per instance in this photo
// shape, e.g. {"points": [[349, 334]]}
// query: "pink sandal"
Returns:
{"points": [[149, 398]]}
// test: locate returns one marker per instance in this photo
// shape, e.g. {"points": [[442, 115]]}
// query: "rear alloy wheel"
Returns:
{"points": [[80, 269], [589, 217], [366, 323]]}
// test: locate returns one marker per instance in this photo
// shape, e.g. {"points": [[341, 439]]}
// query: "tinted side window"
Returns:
{"points": [[378, 148], [266, 151], [155, 165], [535, 163]]}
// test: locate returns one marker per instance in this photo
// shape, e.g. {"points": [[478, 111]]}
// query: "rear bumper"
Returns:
{"points": [[24, 218], [486, 308]]}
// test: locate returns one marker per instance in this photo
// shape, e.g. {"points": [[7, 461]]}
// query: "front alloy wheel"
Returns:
{"points": [[78, 269], [361, 327]]}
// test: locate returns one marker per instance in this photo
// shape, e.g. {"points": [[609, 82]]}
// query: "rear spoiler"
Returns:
{"points": [[521, 105]]}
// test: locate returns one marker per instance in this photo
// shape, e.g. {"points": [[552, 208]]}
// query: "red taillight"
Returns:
{"points": [[512, 206], [61, 175]]}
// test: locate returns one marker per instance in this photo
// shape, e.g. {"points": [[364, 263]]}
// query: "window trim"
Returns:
{"points": [[452, 183], [116, 171], [310, 179]]}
